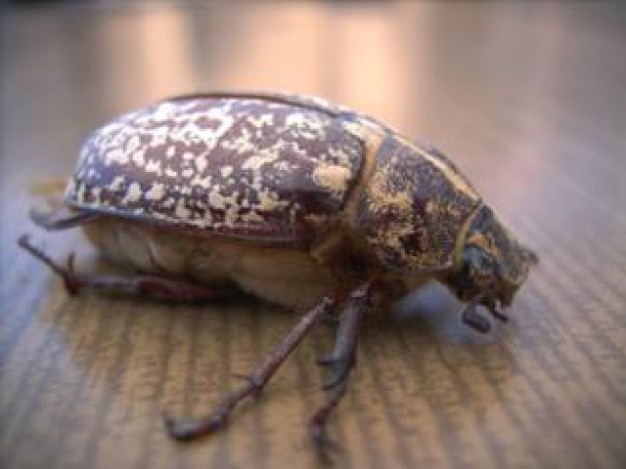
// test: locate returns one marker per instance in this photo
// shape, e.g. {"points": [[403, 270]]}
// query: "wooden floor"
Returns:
{"points": [[529, 100]]}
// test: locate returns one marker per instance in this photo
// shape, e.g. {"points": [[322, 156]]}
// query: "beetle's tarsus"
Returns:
{"points": [[185, 430], [323, 444], [255, 382], [160, 288], [188, 429], [71, 281], [317, 422]]}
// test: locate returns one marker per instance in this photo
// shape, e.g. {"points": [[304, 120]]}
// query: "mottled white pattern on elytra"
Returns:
{"points": [[334, 177], [96, 193], [182, 212], [156, 192], [226, 171], [162, 160], [263, 157], [154, 166], [263, 119], [243, 144], [198, 181], [133, 144], [201, 163], [117, 183], [310, 126], [116, 155], [134, 192]]}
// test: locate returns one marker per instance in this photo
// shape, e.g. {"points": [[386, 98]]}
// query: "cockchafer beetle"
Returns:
{"points": [[295, 200]]}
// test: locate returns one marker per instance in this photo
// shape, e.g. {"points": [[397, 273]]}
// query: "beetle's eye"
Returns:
{"points": [[481, 265], [485, 261]]}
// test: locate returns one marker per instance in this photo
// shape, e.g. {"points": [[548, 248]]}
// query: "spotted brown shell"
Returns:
{"points": [[252, 166]]}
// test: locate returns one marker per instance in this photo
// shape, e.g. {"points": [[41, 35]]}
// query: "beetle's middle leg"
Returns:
{"points": [[340, 361], [152, 286]]}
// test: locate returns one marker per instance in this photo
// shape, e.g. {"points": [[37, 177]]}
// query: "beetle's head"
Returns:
{"points": [[490, 264]]}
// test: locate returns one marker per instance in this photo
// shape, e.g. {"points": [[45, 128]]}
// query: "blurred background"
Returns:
{"points": [[528, 98]]}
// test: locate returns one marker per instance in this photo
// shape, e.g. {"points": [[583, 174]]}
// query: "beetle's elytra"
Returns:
{"points": [[292, 199]]}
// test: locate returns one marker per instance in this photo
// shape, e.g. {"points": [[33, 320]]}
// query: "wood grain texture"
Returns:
{"points": [[529, 101]]}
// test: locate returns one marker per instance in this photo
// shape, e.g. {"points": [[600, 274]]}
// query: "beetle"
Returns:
{"points": [[293, 199]]}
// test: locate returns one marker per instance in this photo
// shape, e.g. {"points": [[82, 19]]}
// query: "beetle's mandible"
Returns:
{"points": [[292, 199]]}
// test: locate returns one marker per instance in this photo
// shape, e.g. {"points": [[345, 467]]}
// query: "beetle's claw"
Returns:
{"points": [[498, 314], [252, 380], [328, 360]]}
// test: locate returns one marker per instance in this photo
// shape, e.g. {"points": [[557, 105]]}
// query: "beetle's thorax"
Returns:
{"points": [[413, 206]]}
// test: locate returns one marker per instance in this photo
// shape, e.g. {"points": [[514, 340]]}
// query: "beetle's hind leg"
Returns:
{"points": [[340, 361], [151, 286], [254, 384]]}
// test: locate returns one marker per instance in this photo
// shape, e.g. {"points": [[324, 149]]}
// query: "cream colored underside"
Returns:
{"points": [[279, 274]]}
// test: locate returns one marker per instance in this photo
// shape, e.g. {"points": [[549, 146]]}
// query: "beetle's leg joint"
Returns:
{"points": [[254, 380]]}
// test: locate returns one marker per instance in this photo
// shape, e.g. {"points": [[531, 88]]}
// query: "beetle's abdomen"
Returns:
{"points": [[283, 275], [249, 167]]}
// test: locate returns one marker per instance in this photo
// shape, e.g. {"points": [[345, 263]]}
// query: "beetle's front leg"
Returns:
{"points": [[150, 286], [341, 361]]}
